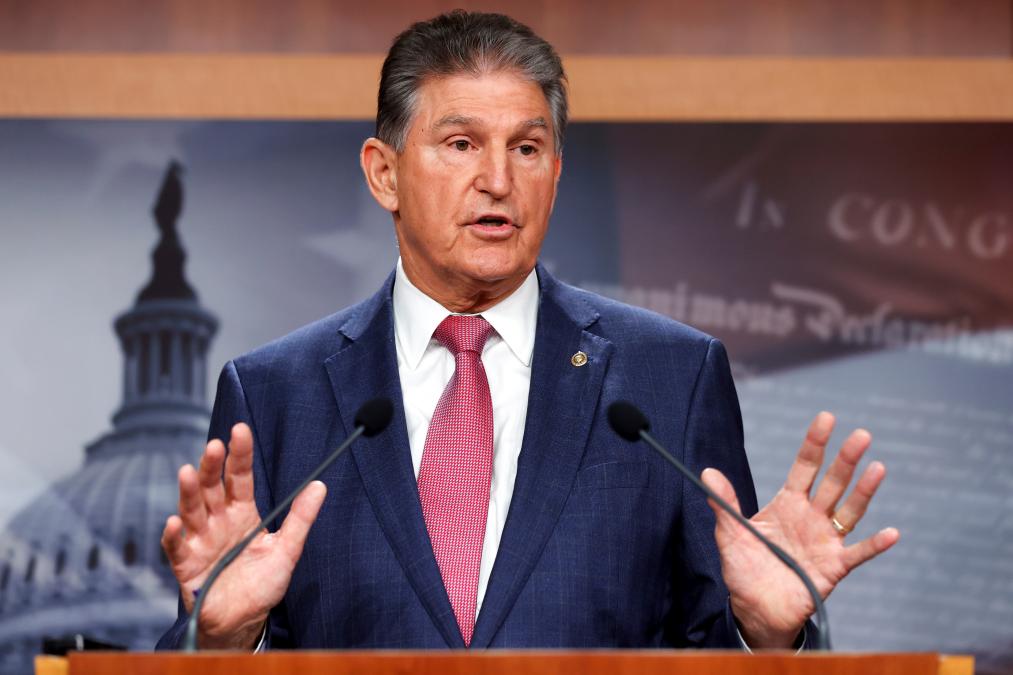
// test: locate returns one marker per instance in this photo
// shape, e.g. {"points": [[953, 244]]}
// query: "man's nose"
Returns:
{"points": [[494, 175]]}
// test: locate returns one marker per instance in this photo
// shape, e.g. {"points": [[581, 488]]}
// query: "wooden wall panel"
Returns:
{"points": [[603, 88], [627, 60], [943, 28]]}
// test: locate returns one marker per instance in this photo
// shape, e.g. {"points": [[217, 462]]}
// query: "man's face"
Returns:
{"points": [[476, 182]]}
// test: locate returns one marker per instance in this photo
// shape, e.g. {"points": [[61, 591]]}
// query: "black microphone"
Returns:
{"points": [[631, 424], [372, 418]]}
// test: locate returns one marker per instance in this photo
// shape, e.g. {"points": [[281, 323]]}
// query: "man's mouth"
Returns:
{"points": [[493, 220]]}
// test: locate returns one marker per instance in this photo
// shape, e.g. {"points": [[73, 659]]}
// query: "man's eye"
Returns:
{"points": [[462, 145], [527, 150]]}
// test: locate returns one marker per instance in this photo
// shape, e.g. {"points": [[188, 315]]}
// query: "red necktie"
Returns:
{"points": [[456, 467]]}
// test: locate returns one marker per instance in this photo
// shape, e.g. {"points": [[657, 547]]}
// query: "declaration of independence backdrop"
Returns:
{"points": [[862, 268]]}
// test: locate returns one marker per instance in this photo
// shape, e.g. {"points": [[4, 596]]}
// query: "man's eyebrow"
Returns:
{"points": [[454, 121]]}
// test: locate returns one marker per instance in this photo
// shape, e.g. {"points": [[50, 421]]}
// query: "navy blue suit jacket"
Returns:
{"points": [[605, 545]]}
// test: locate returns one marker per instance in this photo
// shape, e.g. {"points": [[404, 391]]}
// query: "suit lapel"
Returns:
{"points": [[366, 368], [561, 404]]}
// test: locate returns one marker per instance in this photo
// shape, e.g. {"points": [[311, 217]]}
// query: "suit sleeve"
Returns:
{"points": [[702, 616], [714, 438], [230, 408]]}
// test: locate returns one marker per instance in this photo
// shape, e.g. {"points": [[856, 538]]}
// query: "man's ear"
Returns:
{"points": [[379, 165], [557, 170]]}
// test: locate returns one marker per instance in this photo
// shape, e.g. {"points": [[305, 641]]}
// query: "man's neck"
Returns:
{"points": [[465, 298]]}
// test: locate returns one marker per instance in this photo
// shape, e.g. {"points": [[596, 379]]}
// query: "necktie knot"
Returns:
{"points": [[463, 333]]}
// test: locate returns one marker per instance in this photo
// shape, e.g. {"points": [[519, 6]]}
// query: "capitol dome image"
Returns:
{"points": [[84, 557]]}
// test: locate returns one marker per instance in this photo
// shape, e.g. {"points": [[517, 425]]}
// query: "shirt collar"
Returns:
{"points": [[416, 317]]}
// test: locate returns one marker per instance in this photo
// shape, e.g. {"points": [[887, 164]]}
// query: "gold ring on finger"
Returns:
{"points": [[841, 530]]}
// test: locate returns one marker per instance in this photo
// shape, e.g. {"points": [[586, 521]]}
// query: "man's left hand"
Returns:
{"points": [[770, 603]]}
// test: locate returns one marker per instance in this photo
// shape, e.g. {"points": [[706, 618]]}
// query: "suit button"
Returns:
{"points": [[578, 359]]}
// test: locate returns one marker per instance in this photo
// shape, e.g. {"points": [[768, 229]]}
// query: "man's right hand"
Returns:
{"points": [[214, 515]]}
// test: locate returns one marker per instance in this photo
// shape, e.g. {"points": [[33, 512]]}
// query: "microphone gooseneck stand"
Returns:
{"points": [[372, 418], [631, 424]]}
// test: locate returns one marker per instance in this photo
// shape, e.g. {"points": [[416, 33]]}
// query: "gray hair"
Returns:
{"points": [[464, 42]]}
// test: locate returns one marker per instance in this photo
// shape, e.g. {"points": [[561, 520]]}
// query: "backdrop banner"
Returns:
{"points": [[865, 269]]}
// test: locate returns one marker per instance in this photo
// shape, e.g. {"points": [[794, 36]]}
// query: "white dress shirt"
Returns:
{"points": [[425, 367]]}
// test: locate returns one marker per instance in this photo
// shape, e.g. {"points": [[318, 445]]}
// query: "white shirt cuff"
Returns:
{"points": [[263, 638]]}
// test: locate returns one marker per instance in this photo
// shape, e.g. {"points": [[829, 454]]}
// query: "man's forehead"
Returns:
{"points": [[475, 99]]}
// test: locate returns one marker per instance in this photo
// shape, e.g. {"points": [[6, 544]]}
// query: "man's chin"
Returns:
{"points": [[497, 273]]}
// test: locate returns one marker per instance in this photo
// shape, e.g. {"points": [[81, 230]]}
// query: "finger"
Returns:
{"points": [[211, 476], [717, 482], [175, 546], [836, 480], [867, 549], [191, 503], [809, 460], [858, 501], [300, 518], [239, 467]]}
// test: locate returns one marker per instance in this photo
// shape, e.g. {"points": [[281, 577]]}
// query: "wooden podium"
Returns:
{"points": [[591, 662]]}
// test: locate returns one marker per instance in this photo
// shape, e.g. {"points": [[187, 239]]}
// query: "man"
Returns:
{"points": [[498, 509]]}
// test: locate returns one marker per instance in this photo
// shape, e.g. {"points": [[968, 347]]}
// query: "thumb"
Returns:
{"points": [[721, 486], [300, 518]]}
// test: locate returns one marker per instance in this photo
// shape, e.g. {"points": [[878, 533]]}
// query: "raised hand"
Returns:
{"points": [[768, 600], [215, 513]]}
